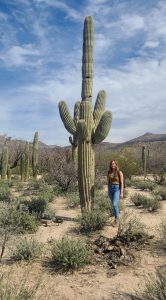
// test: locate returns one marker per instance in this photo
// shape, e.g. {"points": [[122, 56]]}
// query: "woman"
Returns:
{"points": [[115, 187]]}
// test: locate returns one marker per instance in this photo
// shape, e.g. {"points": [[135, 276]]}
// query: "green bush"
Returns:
{"points": [[152, 204], [47, 194], [132, 229], [160, 191], [162, 233], [35, 184], [103, 203], [19, 290], [16, 221], [92, 221], [99, 184], [155, 287], [73, 200], [145, 185], [5, 193], [70, 254], [138, 199], [36, 206], [26, 249]]}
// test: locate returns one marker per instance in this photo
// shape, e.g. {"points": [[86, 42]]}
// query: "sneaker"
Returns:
{"points": [[115, 223]]}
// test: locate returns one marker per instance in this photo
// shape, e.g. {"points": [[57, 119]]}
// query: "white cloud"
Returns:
{"points": [[19, 55]]}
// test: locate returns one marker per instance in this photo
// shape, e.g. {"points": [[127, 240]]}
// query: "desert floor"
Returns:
{"points": [[95, 281]]}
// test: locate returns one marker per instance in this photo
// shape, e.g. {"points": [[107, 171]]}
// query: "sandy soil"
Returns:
{"points": [[93, 282]]}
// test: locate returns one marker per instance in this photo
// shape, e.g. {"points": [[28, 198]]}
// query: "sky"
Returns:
{"points": [[41, 60]]}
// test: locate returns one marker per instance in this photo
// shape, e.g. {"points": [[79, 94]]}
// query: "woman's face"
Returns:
{"points": [[113, 165]]}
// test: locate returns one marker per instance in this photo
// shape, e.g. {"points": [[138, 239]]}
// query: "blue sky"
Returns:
{"points": [[40, 64]]}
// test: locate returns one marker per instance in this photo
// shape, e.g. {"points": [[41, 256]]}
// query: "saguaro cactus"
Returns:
{"points": [[35, 155], [4, 163], [22, 167], [9, 173], [26, 161], [144, 160], [90, 127]]}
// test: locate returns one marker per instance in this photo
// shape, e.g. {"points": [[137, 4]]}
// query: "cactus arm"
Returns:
{"points": [[103, 128], [66, 118], [76, 112], [99, 107]]}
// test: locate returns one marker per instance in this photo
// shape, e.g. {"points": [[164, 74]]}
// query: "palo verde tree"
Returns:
{"points": [[89, 126]]}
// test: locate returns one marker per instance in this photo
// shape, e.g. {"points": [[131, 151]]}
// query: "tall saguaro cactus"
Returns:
{"points": [[4, 163], [26, 161], [35, 155], [89, 127]]}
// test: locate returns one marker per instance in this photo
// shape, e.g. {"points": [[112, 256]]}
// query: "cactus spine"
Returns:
{"points": [[26, 161], [91, 127], [22, 167], [4, 163], [35, 155]]}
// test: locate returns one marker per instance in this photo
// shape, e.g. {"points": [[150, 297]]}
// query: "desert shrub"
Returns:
{"points": [[99, 182], [132, 229], [103, 203], [69, 254], [73, 200], [5, 193], [160, 191], [162, 233], [47, 194], [152, 204], [35, 184], [138, 199], [155, 287], [144, 185], [20, 290], [36, 206], [26, 249], [93, 220], [14, 221]]}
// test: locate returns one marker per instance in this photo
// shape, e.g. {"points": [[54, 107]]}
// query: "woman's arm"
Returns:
{"points": [[121, 184]]}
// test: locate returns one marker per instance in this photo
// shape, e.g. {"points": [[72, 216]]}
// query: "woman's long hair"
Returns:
{"points": [[116, 168]]}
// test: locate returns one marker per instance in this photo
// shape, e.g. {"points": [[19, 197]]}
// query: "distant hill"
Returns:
{"points": [[155, 143], [147, 137]]}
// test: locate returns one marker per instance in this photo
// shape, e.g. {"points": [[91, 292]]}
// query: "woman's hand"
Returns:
{"points": [[121, 195]]}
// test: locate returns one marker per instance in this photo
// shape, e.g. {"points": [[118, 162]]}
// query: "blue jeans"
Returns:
{"points": [[114, 195]]}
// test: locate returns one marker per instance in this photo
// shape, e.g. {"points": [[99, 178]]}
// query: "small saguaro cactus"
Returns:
{"points": [[144, 160], [22, 167], [4, 163], [88, 127], [9, 174], [26, 161], [35, 155]]}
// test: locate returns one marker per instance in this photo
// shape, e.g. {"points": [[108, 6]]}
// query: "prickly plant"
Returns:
{"points": [[9, 173], [144, 160], [22, 167], [26, 161], [4, 163], [88, 127], [35, 155]]}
